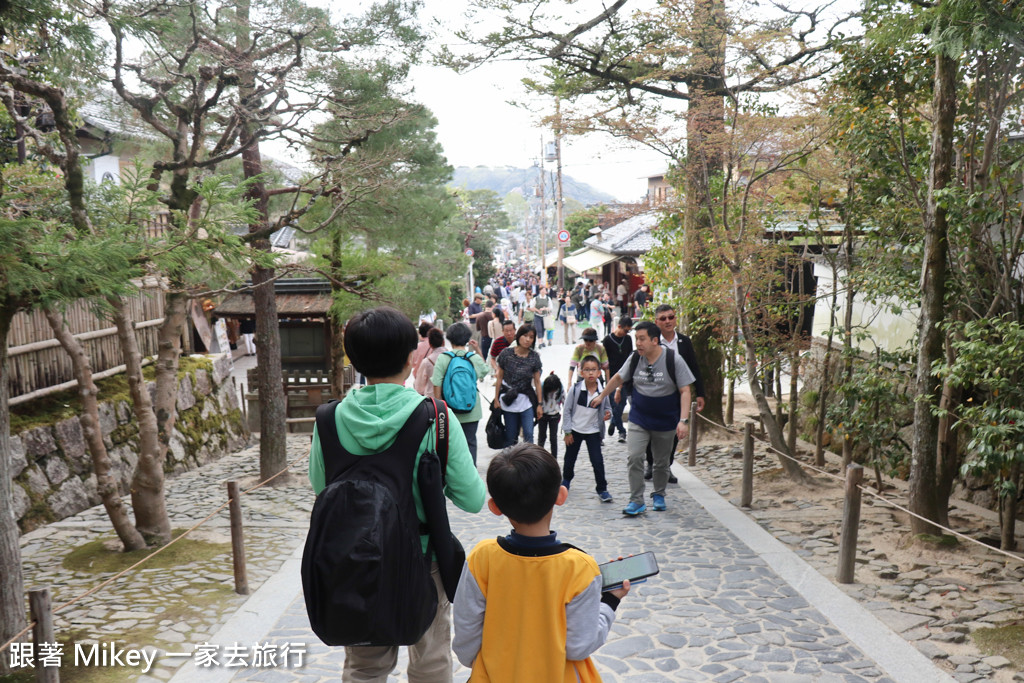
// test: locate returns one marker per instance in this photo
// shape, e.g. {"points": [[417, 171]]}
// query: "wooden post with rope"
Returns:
{"points": [[692, 461], [747, 490], [237, 539], [851, 522], [42, 632]]}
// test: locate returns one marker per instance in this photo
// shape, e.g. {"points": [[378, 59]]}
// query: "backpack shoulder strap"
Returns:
{"points": [[336, 458], [634, 362], [670, 364]]}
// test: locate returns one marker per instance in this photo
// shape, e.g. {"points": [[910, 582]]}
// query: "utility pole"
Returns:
{"points": [[543, 222], [558, 190]]}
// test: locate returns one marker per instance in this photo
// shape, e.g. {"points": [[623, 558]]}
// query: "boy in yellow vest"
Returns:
{"points": [[528, 607]]}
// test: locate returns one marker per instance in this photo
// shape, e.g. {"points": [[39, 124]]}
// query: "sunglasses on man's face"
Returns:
{"points": [[664, 318]]}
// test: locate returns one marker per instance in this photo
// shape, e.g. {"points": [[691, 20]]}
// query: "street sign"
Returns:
{"points": [[469, 251], [563, 236]]}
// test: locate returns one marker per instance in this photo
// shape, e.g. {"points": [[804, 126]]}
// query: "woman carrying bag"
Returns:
{"points": [[567, 316], [517, 386]]}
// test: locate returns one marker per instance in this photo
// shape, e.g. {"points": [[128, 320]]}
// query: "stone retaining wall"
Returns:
{"points": [[52, 469]]}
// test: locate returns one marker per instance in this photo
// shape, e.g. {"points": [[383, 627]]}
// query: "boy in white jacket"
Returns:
{"points": [[581, 423]]}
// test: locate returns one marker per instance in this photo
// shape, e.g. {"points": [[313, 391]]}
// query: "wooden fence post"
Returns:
{"points": [[693, 435], [42, 632], [237, 540], [851, 523], [747, 490]]}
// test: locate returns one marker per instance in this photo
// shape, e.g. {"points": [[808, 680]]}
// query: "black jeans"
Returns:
{"points": [[596, 460], [469, 428], [548, 425]]}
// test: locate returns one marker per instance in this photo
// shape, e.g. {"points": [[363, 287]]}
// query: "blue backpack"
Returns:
{"points": [[459, 386]]}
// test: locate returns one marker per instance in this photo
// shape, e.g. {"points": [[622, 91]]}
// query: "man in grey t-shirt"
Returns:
{"points": [[659, 412]]}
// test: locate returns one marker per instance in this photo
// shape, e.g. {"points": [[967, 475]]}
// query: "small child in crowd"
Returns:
{"points": [[530, 608], [585, 424], [551, 402]]}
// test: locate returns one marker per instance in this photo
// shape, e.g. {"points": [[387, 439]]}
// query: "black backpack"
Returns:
{"points": [[365, 577]]}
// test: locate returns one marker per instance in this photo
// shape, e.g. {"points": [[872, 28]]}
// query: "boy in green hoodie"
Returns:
{"points": [[380, 343]]}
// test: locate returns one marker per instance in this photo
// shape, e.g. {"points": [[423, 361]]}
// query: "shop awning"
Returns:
{"points": [[588, 259]]}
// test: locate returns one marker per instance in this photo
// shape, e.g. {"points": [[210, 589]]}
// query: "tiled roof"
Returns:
{"points": [[631, 237]]}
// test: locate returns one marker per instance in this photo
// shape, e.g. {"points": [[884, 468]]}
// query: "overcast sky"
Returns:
{"points": [[479, 127]]}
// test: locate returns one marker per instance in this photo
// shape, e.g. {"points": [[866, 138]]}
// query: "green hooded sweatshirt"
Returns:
{"points": [[368, 420]]}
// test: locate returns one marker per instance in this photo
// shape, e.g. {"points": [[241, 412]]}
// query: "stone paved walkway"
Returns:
{"points": [[727, 606], [717, 611]]}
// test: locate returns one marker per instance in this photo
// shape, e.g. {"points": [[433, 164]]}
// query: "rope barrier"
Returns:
{"points": [[875, 494], [156, 552]]}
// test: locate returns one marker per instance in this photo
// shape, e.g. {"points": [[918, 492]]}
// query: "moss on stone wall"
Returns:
{"points": [[62, 405], [209, 428]]}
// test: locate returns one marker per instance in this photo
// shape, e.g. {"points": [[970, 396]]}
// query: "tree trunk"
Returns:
{"points": [[848, 344], [730, 396], [949, 452], [705, 154], [148, 480], [1008, 511], [826, 373], [12, 585], [337, 358], [106, 485], [272, 399], [337, 338], [923, 468], [794, 359], [771, 425]]}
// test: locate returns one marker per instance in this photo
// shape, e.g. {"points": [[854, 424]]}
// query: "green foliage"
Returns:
{"points": [[482, 216], [876, 407], [988, 353], [579, 224], [393, 236], [44, 260]]}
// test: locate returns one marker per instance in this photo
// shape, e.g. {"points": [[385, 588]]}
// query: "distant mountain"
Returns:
{"points": [[505, 179]]}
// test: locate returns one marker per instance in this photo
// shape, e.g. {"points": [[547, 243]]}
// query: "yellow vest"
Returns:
{"points": [[525, 630]]}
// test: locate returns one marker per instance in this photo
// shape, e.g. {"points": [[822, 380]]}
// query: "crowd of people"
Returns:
{"points": [[616, 362]]}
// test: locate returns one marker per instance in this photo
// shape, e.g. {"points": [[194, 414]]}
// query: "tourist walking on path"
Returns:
{"points": [[596, 317], [585, 424], [661, 404], [541, 309], [380, 343], [517, 386], [421, 378], [459, 337], [423, 348], [589, 347], [530, 608], [618, 345], [568, 315], [553, 395], [665, 319], [493, 330], [483, 326], [507, 338]]}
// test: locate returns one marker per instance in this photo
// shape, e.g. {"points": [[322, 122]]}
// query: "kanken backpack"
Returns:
{"points": [[459, 386], [365, 577]]}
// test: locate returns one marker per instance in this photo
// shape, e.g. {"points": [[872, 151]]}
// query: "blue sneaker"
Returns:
{"points": [[634, 509], [604, 496], [659, 503]]}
